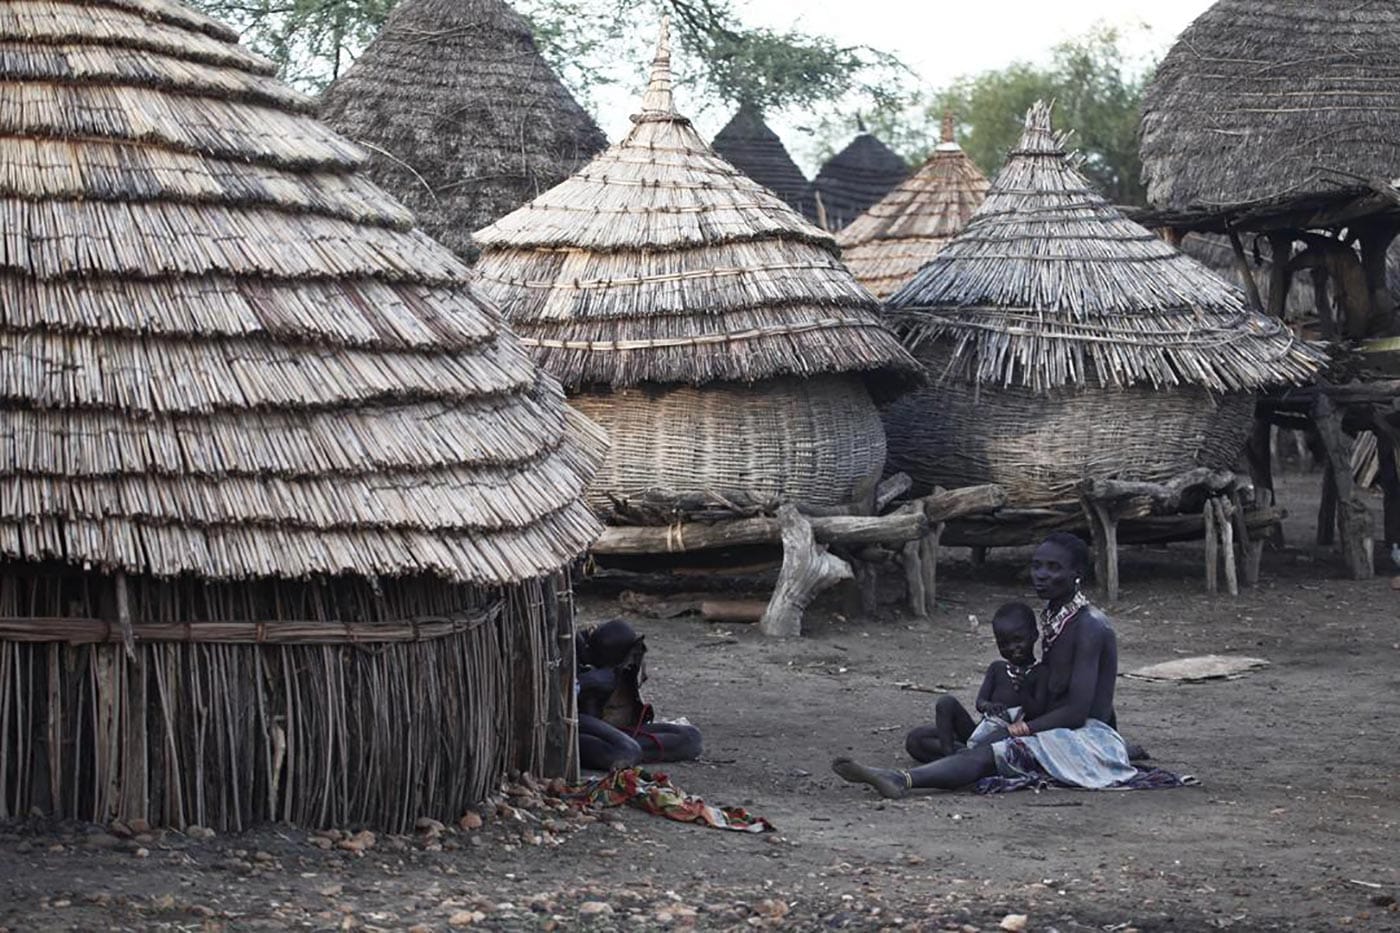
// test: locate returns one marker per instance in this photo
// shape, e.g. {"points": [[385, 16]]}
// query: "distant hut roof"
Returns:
{"points": [[906, 228], [1050, 285], [1274, 102], [747, 143], [464, 118], [852, 180], [659, 262], [226, 352]]}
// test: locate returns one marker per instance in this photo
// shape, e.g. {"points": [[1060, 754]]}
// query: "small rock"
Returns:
{"points": [[429, 825], [594, 909], [1382, 900], [470, 821], [1395, 583], [465, 918], [102, 841], [359, 842], [772, 908], [139, 826], [322, 842], [200, 832], [1014, 923], [261, 856], [142, 853], [199, 910], [121, 829], [331, 890]]}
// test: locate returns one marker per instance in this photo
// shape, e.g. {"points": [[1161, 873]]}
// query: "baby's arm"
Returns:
{"points": [[985, 704]]}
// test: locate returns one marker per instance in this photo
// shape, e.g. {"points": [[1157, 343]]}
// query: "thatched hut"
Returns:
{"points": [[285, 504], [697, 317], [463, 118], [906, 228], [851, 181], [1067, 342], [748, 144]]}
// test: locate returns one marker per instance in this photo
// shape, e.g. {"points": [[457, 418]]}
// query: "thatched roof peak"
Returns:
{"points": [[463, 118], [906, 228], [287, 379], [658, 103], [659, 262], [751, 146], [1263, 104], [1050, 285], [852, 180]]}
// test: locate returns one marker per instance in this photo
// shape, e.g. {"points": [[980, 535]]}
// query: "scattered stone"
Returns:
{"points": [[102, 841], [772, 908], [594, 909], [120, 829], [261, 856], [322, 842], [139, 826], [1382, 900], [465, 918], [430, 826], [470, 820], [331, 890], [1014, 923], [358, 843], [142, 853], [200, 832]]}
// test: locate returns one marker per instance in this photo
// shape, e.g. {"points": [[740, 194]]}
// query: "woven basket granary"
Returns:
{"points": [[287, 511], [699, 316], [1065, 342], [804, 440]]}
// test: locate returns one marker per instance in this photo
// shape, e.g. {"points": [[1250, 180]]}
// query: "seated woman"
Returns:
{"points": [[616, 729], [1072, 740]]}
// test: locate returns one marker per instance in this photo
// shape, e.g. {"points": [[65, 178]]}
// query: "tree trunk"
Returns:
{"points": [[808, 569]]}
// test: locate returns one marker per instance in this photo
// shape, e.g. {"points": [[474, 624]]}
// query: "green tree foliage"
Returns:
{"points": [[312, 41], [1097, 96]]}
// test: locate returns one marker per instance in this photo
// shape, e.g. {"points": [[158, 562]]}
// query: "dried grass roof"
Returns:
{"points": [[464, 119], [852, 180], [747, 143], [225, 352], [1263, 102], [1050, 285], [660, 262], [906, 228]]}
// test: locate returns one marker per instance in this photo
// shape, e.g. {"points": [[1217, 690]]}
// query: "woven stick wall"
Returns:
{"points": [[851, 181], [1051, 293], [906, 228], [228, 357], [659, 264], [464, 119]]}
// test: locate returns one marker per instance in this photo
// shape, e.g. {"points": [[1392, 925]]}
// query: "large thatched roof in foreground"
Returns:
{"points": [[1050, 285], [464, 119], [747, 143], [906, 228], [1289, 100], [227, 353], [659, 262], [852, 180]]}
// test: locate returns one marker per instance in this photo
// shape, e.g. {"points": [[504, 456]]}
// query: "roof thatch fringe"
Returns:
{"points": [[660, 262], [1291, 100], [464, 118], [851, 181], [747, 143], [1050, 285], [226, 354], [906, 228]]}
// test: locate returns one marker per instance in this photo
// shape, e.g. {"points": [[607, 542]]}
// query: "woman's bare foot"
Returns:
{"points": [[888, 782]]}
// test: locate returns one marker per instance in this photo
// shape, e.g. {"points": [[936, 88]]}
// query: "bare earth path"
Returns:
{"points": [[1275, 838]]}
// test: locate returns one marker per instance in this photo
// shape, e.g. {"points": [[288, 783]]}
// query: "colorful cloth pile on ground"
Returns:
{"points": [[654, 793]]}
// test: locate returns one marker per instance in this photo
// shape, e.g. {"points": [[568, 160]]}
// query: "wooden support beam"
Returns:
{"points": [[1280, 274], [808, 569], [1225, 527], [913, 568], [1327, 509], [1212, 549], [1354, 523], [1251, 287], [1103, 521]]}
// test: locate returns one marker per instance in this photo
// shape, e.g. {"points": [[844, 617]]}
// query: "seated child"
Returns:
{"points": [[1012, 689], [616, 729]]}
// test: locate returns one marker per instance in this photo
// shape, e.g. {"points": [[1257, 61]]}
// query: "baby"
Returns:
{"points": [[1012, 689]]}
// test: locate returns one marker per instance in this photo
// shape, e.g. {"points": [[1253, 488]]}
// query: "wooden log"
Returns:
{"points": [[1354, 524], [1251, 551], [944, 505], [928, 561], [1251, 287], [733, 610], [890, 489], [1327, 509], [808, 569], [1212, 544], [913, 568], [845, 530], [1225, 527], [1165, 496]]}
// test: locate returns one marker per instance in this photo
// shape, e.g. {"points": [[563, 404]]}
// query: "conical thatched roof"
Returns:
{"points": [[852, 180], [747, 143], [660, 262], [227, 353], [906, 228], [464, 119], [1050, 285], [1261, 102]]}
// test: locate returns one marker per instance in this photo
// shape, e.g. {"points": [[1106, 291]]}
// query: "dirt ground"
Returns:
{"points": [[1294, 824]]}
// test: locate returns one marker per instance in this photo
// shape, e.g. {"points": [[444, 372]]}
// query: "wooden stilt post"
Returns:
{"points": [[1212, 549], [808, 569], [1251, 551], [928, 560], [914, 579], [1224, 524], [1354, 524], [1327, 508], [1103, 522]]}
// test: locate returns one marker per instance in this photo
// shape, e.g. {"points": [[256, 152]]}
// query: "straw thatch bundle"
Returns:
{"points": [[851, 181], [1292, 100], [1068, 342], [906, 228], [747, 143], [284, 502], [660, 266], [464, 119]]}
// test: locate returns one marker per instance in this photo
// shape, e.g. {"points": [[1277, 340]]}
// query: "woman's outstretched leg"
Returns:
{"points": [[669, 741], [948, 773]]}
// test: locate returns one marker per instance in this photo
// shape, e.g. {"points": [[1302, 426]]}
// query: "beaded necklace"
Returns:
{"points": [[1053, 623]]}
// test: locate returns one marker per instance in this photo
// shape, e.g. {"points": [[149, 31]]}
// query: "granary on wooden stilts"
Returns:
{"points": [[463, 118], [697, 317], [906, 228], [286, 506], [748, 144], [1282, 121], [851, 181], [1065, 342]]}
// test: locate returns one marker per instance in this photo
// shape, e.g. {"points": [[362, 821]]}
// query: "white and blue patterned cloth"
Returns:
{"points": [[1093, 756]]}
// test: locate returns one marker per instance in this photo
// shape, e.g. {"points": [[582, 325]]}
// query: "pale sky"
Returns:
{"points": [[939, 40]]}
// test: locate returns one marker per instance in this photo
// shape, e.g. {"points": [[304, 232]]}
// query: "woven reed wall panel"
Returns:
{"points": [[808, 441], [1040, 445]]}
